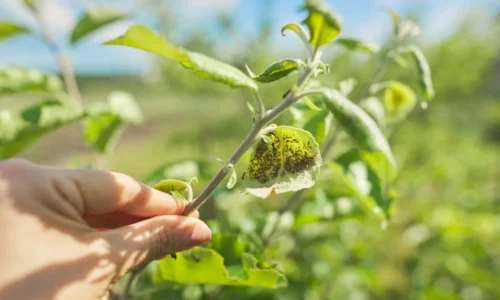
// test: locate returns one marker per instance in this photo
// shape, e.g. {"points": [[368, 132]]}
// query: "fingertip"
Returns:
{"points": [[199, 234]]}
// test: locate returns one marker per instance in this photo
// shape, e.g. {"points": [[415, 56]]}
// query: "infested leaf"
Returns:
{"points": [[399, 100], [9, 30], [290, 163], [324, 24], [141, 37], [358, 124], [94, 18], [424, 71], [356, 45], [14, 80], [277, 70]]}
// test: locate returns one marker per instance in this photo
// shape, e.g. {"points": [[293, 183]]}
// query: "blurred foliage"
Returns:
{"points": [[443, 239]]}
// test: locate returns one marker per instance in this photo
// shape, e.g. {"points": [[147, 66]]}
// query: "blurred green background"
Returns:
{"points": [[444, 239]]}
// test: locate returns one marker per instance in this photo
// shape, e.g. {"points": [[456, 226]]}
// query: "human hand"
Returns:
{"points": [[50, 247]]}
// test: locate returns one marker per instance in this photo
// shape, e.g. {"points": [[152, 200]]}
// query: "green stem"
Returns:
{"points": [[63, 63]]}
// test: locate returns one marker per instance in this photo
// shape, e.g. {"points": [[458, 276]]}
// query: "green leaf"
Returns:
{"points": [[424, 71], [18, 132], [206, 266], [356, 45], [358, 124], [8, 30], [291, 162], [15, 80], [277, 70], [310, 104], [399, 100], [141, 37], [105, 122], [368, 177], [373, 107], [324, 25], [94, 18]]}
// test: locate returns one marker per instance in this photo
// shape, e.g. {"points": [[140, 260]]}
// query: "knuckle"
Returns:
{"points": [[161, 243], [14, 167]]}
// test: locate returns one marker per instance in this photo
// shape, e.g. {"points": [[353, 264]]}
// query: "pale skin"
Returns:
{"points": [[52, 245]]}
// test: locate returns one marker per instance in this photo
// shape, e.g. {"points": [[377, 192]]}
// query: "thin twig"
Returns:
{"points": [[249, 140], [62, 61]]}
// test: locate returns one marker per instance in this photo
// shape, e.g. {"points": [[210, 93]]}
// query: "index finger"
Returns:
{"points": [[104, 192]]}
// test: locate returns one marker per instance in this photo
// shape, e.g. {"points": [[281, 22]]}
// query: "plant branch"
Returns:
{"points": [[251, 137], [62, 61], [327, 145]]}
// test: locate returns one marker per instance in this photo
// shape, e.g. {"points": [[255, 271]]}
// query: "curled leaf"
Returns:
{"points": [[291, 162], [141, 37], [299, 30], [323, 23], [175, 187]]}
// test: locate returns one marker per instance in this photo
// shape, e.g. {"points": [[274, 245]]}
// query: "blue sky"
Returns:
{"points": [[364, 19]]}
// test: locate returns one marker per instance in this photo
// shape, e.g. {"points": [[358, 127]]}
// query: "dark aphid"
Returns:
{"points": [[243, 176], [286, 94]]}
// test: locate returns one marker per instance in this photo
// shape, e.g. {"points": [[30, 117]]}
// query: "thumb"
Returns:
{"points": [[134, 245]]}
